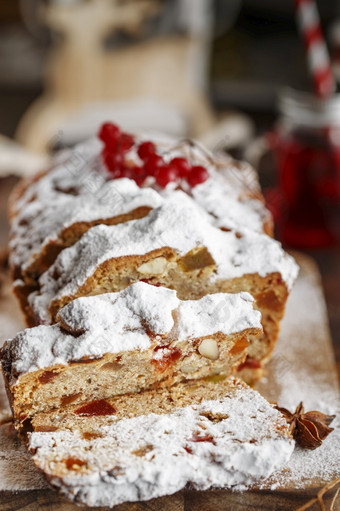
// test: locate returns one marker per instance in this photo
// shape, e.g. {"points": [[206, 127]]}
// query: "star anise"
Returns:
{"points": [[308, 429]]}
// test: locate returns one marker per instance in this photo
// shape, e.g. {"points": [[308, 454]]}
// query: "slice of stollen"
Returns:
{"points": [[124, 342], [207, 435]]}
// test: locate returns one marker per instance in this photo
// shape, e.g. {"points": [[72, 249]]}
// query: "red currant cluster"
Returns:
{"points": [[117, 143]]}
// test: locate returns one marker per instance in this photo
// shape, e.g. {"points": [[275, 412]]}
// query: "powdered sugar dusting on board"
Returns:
{"points": [[303, 369], [17, 470]]}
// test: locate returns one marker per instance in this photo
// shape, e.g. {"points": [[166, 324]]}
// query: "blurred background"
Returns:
{"points": [[209, 69]]}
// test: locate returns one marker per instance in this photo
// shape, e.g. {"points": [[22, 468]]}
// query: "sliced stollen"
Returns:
{"points": [[175, 246], [124, 342], [54, 209], [206, 435]]}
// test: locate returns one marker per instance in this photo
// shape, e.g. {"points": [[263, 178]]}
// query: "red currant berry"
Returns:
{"points": [[125, 142], [117, 173], [182, 165], [112, 160], [152, 163], [165, 175], [197, 175], [139, 180], [145, 150], [139, 171], [109, 133], [128, 172]]}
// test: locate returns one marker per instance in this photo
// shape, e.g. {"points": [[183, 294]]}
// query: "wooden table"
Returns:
{"points": [[216, 500]]}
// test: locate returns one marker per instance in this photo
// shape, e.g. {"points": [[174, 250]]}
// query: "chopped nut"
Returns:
{"points": [[209, 349], [188, 369], [218, 370], [154, 267]]}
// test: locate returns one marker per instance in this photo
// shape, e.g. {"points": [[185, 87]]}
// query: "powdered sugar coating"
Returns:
{"points": [[123, 321], [153, 455], [234, 256], [220, 312], [48, 217], [79, 189]]}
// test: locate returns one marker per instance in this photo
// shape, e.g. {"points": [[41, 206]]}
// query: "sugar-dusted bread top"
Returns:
{"points": [[231, 442], [180, 224], [41, 221], [137, 318], [78, 188]]}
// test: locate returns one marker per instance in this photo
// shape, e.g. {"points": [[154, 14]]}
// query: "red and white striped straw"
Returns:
{"points": [[317, 53]]}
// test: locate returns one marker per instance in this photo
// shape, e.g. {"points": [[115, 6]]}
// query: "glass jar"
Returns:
{"points": [[306, 145]]}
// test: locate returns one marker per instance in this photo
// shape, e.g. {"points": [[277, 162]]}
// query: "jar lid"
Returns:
{"points": [[303, 108]]}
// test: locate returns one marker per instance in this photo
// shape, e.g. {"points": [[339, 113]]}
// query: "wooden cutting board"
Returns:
{"points": [[302, 369]]}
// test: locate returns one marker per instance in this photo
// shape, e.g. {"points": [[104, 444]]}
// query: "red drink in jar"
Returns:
{"points": [[307, 148]]}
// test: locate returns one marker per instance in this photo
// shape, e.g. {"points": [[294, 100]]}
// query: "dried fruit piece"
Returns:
{"points": [[70, 398], [90, 435], [143, 450], [169, 356], [111, 366], [214, 417], [74, 463], [249, 363], [197, 437], [45, 429], [95, 408], [239, 346], [196, 259], [47, 376]]}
